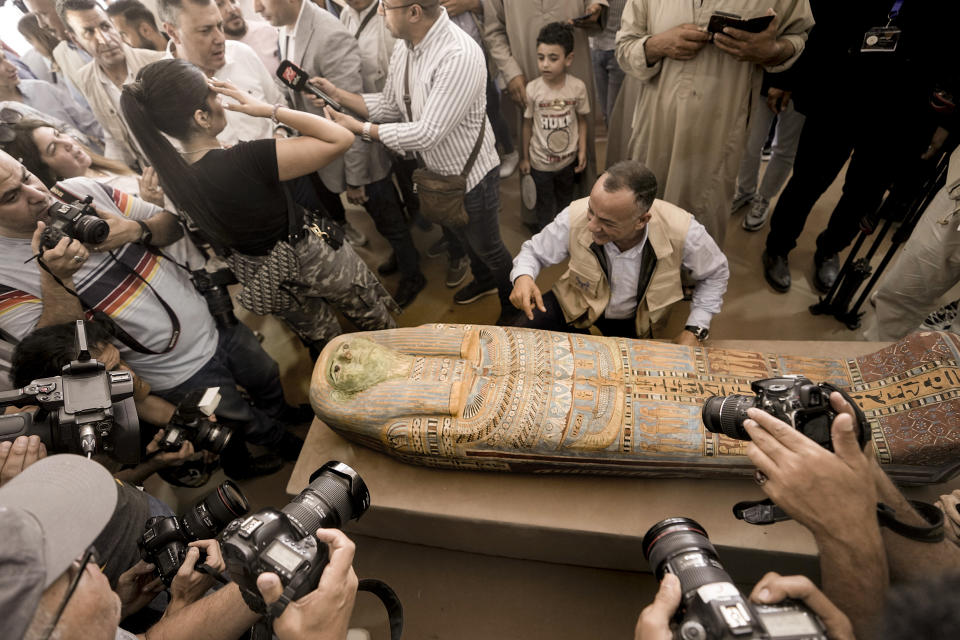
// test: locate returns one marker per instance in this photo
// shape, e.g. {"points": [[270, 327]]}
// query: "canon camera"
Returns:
{"points": [[713, 608]]}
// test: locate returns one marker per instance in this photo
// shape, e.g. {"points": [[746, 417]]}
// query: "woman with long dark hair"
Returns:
{"points": [[242, 198]]}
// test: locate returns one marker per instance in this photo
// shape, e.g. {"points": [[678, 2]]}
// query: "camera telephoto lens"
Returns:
{"points": [[681, 546], [209, 516], [725, 414], [213, 436], [91, 229], [336, 494]]}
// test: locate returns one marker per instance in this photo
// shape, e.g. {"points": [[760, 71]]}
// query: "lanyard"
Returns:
{"points": [[894, 11]]}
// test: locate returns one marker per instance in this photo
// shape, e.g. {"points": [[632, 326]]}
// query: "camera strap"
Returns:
{"points": [[933, 532], [100, 316], [766, 512], [759, 512], [380, 589]]}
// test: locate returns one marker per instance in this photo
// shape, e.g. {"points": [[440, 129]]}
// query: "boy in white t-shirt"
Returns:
{"points": [[554, 142]]}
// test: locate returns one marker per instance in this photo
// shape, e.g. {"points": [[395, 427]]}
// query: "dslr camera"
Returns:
{"points": [[212, 285], [191, 421], [283, 542], [85, 410], [713, 608], [794, 399], [78, 221], [165, 538]]}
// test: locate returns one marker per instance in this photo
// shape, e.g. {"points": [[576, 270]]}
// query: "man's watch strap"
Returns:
{"points": [[365, 132], [933, 532], [700, 333], [146, 235]]}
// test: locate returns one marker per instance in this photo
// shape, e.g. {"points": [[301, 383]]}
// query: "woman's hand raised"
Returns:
{"points": [[241, 101]]}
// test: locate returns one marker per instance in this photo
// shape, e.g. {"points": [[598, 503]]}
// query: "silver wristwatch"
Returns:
{"points": [[365, 132]]}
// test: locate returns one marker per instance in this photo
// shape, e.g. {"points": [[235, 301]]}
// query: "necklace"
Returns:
{"points": [[186, 153]]}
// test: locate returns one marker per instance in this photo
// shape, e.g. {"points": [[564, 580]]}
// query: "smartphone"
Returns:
{"points": [[721, 19]]}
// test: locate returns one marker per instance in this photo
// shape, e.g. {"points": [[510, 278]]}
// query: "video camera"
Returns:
{"points": [[712, 607], [78, 221], [191, 421], [85, 410], [165, 538], [794, 399], [283, 542]]}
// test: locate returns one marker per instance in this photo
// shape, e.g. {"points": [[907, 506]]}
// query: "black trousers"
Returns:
{"points": [[883, 148], [552, 320]]}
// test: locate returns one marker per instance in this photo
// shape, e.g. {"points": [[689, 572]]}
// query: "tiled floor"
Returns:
{"points": [[449, 594]]}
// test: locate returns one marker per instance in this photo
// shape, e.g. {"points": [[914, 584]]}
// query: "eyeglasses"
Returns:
{"points": [[90, 555], [383, 5], [8, 118]]}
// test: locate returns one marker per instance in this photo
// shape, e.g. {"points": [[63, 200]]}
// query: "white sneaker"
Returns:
{"points": [[942, 319], [508, 164], [757, 216], [740, 200], [353, 235]]}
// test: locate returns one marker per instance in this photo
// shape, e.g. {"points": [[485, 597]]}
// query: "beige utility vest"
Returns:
{"points": [[583, 291]]}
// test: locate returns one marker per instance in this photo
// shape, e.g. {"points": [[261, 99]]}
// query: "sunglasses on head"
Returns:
{"points": [[8, 118]]}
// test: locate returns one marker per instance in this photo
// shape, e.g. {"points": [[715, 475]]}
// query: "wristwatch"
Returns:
{"points": [[700, 333], [365, 132], [146, 235]]}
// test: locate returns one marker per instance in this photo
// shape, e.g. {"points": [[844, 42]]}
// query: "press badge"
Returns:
{"points": [[883, 39]]}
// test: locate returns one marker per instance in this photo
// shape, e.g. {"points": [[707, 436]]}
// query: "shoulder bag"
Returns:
{"points": [[441, 197]]}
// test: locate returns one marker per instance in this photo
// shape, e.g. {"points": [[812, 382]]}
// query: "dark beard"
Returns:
{"points": [[236, 33]]}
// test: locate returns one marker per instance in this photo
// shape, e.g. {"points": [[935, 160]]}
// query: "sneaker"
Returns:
{"points": [[757, 216], [438, 248], [457, 270], [300, 414], [941, 319], [825, 271], [776, 270], [508, 164], [473, 292], [390, 266], [740, 200], [353, 235], [251, 466], [408, 289], [289, 447]]}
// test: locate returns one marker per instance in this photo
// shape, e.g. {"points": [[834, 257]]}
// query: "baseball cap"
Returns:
{"points": [[49, 514]]}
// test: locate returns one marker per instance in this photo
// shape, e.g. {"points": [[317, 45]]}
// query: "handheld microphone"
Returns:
{"points": [[296, 78]]}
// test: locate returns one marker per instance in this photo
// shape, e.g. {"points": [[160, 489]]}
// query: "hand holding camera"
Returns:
{"points": [[64, 258], [189, 584], [324, 613], [803, 477], [137, 586]]}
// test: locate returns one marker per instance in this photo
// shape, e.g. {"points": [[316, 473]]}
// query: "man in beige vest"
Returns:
{"points": [[626, 250]]}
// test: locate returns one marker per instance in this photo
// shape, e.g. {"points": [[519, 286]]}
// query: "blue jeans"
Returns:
{"points": [[608, 77], [490, 261], [240, 360]]}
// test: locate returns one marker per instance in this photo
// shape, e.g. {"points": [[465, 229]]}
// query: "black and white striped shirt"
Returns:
{"points": [[448, 77]]}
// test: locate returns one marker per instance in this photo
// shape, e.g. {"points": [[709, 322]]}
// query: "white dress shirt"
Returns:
{"points": [[244, 70], [288, 37], [376, 44], [448, 79], [701, 255]]}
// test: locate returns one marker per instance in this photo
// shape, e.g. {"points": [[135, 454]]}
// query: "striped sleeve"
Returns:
{"points": [[19, 311], [458, 81]]}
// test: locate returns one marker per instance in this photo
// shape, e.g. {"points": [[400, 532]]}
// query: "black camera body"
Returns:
{"points": [[712, 607], [85, 410], [79, 221], [191, 421], [794, 399], [212, 285], [283, 542], [165, 538]]}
